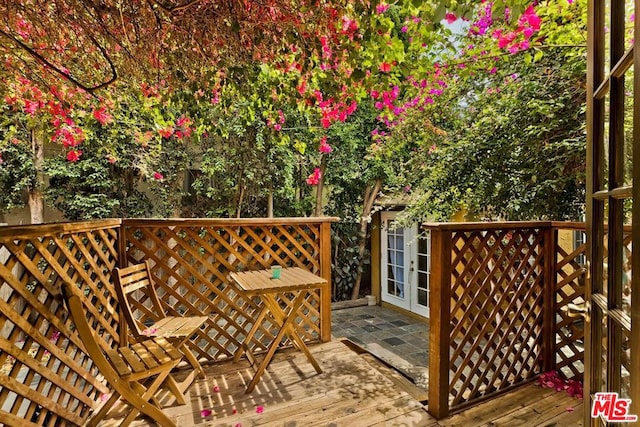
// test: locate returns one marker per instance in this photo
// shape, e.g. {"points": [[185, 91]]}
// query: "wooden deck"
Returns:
{"points": [[353, 390]]}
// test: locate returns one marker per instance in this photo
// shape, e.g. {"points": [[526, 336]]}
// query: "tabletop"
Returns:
{"points": [[291, 279]]}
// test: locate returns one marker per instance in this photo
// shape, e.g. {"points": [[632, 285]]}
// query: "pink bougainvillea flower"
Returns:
{"points": [[259, 409], [205, 412], [157, 176], [30, 107], [404, 29], [314, 178], [238, 425], [183, 122], [574, 389], [105, 396], [216, 389], [166, 131], [532, 18], [382, 8], [234, 410], [74, 155], [450, 18], [102, 116], [151, 331], [349, 27], [302, 87], [324, 147], [385, 67]]}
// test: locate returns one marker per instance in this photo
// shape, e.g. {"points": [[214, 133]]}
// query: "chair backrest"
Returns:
{"points": [[88, 335], [137, 279]]}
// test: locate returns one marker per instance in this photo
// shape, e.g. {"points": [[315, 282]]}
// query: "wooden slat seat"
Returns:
{"points": [[135, 281], [135, 372]]}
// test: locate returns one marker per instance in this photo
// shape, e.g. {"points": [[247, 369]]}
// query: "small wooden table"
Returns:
{"points": [[296, 281]]}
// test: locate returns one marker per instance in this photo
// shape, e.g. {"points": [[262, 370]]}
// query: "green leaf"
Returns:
{"points": [[440, 12], [358, 74]]}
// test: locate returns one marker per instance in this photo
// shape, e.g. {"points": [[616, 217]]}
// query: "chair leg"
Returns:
{"points": [[175, 390], [193, 360], [141, 403], [99, 416]]}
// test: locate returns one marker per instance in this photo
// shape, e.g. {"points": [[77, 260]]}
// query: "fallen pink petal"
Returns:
{"points": [[206, 412], [259, 409], [216, 388], [571, 409]]}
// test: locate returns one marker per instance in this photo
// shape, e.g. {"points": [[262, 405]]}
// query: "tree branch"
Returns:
{"points": [[175, 9], [89, 89]]}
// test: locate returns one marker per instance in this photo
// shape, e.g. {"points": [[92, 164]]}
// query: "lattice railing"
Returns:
{"points": [[570, 274], [191, 261], [497, 319], [45, 377]]}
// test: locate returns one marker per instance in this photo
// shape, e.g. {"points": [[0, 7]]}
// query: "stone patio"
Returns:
{"points": [[397, 339]]}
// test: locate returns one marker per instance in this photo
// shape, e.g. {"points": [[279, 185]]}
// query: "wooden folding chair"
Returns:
{"points": [[136, 279], [128, 370]]}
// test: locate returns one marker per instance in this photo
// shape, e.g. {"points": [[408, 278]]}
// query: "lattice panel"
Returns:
{"points": [[191, 261], [46, 379], [496, 311], [569, 331]]}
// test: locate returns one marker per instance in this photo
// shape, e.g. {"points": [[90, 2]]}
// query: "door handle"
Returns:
{"points": [[578, 310]]}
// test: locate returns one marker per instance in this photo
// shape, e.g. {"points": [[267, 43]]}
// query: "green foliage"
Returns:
{"points": [[350, 165], [514, 144], [81, 190], [17, 175], [345, 265]]}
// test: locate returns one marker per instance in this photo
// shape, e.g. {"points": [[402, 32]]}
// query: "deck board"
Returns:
{"points": [[350, 392]]}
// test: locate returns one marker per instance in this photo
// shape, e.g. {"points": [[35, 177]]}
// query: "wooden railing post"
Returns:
{"points": [[325, 272], [439, 323], [549, 316]]}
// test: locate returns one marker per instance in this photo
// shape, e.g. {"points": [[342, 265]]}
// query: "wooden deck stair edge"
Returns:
{"points": [[399, 378]]}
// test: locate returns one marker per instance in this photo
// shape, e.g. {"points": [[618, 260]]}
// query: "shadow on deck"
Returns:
{"points": [[353, 390]]}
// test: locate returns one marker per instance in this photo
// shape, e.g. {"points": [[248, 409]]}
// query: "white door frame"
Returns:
{"points": [[420, 273], [402, 289]]}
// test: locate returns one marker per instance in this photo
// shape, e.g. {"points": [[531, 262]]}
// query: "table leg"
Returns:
{"points": [[290, 330], [275, 308], [249, 337]]}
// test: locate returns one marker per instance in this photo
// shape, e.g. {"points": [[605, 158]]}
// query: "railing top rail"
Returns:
{"points": [[451, 226], [22, 231], [226, 221], [569, 225], [454, 226]]}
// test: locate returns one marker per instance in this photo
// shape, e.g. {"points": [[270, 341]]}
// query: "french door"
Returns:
{"points": [[405, 266], [612, 344]]}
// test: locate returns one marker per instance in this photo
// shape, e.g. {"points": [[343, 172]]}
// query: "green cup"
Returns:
{"points": [[275, 271]]}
